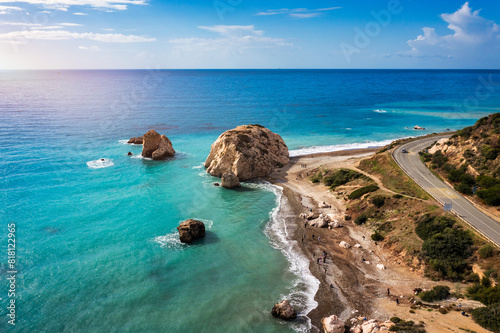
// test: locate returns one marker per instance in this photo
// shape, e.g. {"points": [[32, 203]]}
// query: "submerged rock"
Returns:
{"points": [[284, 310], [190, 230], [129, 153], [229, 180], [333, 324], [249, 151], [157, 146]]}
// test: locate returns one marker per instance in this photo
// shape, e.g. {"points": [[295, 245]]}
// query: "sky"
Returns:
{"points": [[210, 34]]}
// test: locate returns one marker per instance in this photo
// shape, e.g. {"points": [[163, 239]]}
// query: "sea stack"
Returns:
{"points": [[190, 230], [249, 151], [156, 146]]}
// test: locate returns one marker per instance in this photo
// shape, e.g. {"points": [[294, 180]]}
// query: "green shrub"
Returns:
{"points": [[376, 236], [464, 188], [360, 219], [486, 282], [316, 178], [456, 174], [362, 191], [485, 295], [488, 317], [487, 181], [491, 196], [450, 245], [378, 201], [438, 159], [428, 226], [395, 320], [486, 251], [341, 177], [489, 153], [437, 293], [397, 196]]}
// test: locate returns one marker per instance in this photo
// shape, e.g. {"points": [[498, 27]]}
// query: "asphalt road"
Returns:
{"points": [[411, 163]]}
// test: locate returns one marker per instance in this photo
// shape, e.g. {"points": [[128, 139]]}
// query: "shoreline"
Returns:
{"points": [[329, 300]]}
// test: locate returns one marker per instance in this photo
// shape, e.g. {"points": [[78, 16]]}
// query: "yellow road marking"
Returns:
{"points": [[442, 192]]}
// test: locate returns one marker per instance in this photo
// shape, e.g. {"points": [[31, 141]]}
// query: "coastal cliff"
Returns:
{"points": [[249, 151]]}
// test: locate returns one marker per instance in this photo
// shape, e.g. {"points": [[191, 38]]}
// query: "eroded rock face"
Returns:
{"points": [[156, 146], [190, 230], [333, 324], [284, 310], [229, 180], [249, 151], [136, 140]]}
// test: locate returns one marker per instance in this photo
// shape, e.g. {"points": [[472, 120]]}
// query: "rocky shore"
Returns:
{"points": [[355, 278]]}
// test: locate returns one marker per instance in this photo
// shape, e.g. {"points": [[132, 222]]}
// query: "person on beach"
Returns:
{"points": [[325, 269], [388, 291], [397, 301], [324, 259], [313, 236], [331, 286], [317, 261], [319, 238]]}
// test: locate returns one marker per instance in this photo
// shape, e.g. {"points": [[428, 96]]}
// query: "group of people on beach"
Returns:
{"points": [[303, 166]]}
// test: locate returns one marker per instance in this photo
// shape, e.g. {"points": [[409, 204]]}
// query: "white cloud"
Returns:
{"points": [[63, 5], [89, 48], [80, 14], [70, 24], [234, 39], [47, 27], [24, 36], [470, 33], [231, 30], [7, 9], [20, 24], [300, 13]]}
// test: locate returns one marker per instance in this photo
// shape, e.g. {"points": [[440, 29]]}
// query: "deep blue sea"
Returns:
{"points": [[96, 244]]}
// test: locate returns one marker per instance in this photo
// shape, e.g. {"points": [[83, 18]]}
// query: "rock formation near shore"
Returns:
{"points": [[136, 140], [333, 324], [190, 230], [249, 151], [229, 180], [157, 146], [284, 310]]}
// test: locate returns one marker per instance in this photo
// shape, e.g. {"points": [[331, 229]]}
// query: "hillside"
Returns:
{"points": [[470, 160]]}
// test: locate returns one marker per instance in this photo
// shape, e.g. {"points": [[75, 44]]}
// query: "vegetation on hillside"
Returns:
{"points": [[470, 160]]}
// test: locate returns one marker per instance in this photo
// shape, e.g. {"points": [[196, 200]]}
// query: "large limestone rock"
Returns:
{"points": [[284, 311], [333, 324], [156, 146], [190, 230], [229, 180], [250, 151]]}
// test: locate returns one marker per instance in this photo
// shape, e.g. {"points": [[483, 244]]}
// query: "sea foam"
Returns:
{"points": [[332, 148], [305, 285], [100, 163]]}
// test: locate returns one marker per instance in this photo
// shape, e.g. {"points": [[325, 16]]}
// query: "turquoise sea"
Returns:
{"points": [[97, 248]]}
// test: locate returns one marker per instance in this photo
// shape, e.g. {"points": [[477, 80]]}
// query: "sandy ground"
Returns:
{"points": [[351, 287]]}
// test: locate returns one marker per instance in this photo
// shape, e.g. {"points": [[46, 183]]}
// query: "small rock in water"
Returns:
{"points": [[284, 310], [129, 153], [216, 184], [229, 180], [190, 230]]}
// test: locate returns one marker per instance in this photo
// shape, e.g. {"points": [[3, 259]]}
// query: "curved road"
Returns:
{"points": [[411, 163]]}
